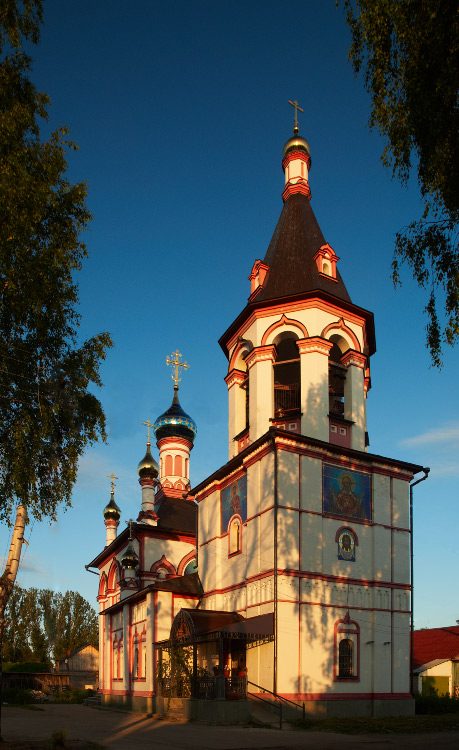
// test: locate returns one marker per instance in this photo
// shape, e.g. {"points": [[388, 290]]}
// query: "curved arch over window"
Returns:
{"points": [[103, 586], [163, 568], [235, 536], [299, 330], [113, 575], [187, 564]]}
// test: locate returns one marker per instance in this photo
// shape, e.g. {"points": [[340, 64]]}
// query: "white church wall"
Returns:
{"points": [[266, 482], [381, 563], [401, 554], [381, 499], [288, 485], [173, 551], [311, 484], [288, 550], [267, 540], [316, 649], [164, 615], [311, 542], [401, 503], [401, 653], [382, 653], [287, 649]]}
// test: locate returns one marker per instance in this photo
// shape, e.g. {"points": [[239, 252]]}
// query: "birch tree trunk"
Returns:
{"points": [[7, 582]]}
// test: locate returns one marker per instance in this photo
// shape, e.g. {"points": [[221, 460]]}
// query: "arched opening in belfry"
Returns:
{"points": [[286, 376], [336, 375]]}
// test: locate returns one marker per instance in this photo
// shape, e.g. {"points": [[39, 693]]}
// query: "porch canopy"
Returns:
{"points": [[193, 626]]}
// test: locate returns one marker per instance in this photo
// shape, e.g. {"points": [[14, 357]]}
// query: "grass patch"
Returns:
{"points": [[383, 725]]}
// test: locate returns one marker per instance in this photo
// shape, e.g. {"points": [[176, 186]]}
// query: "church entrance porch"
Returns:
{"points": [[205, 657]]}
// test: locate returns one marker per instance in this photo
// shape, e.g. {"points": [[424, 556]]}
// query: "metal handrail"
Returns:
{"points": [[280, 698]]}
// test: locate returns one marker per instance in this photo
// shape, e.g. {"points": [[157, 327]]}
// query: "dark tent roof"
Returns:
{"points": [[290, 254], [177, 514]]}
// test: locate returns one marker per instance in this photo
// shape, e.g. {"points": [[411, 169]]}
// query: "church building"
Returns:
{"points": [[286, 572]]}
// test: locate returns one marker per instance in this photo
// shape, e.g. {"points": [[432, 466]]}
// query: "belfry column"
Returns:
{"points": [[314, 386], [261, 388], [354, 396], [236, 407]]}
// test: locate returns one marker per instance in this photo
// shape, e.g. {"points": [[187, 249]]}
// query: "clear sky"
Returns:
{"points": [[180, 111]]}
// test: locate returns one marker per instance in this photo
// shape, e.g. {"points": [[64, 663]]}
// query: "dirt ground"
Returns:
{"points": [[89, 729]]}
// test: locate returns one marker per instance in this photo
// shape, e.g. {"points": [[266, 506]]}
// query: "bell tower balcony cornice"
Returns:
{"points": [[261, 354]]}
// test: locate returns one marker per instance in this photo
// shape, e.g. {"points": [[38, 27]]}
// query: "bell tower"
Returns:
{"points": [[299, 351]]}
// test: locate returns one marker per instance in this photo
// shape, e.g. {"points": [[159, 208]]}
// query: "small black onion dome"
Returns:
{"points": [[111, 511], [296, 143], [175, 422], [148, 467], [130, 559]]}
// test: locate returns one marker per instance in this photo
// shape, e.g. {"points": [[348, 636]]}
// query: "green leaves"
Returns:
{"points": [[48, 413], [42, 624], [409, 54]]}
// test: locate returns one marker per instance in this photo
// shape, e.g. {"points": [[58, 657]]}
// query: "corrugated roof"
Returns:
{"points": [[435, 643], [290, 254]]}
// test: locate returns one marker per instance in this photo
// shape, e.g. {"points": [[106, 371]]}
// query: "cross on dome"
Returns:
{"points": [[297, 107], [176, 362], [112, 477], [148, 424]]}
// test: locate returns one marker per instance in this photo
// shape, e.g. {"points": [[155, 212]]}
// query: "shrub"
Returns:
{"points": [[17, 696], [436, 704], [72, 696]]}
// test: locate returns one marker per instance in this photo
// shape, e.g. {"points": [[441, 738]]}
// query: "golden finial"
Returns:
{"points": [[148, 424], [112, 477], [176, 363], [297, 107]]}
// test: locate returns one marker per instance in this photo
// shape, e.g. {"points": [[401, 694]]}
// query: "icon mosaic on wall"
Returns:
{"points": [[346, 493], [234, 501], [346, 545]]}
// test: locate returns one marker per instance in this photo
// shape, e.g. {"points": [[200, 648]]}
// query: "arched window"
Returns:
{"points": [[336, 376], [235, 536], [326, 268], [286, 376], [169, 469], [347, 650], [178, 466], [192, 567], [346, 658]]}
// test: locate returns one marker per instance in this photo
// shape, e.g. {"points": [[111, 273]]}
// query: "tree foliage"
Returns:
{"points": [[47, 411], [43, 625], [408, 51]]}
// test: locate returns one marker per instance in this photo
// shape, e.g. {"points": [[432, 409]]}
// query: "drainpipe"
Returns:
{"points": [[273, 437], [426, 474]]}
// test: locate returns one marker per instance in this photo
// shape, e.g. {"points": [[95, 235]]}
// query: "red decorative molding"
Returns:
{"points": [[341, 327], [184, 562], [347, 528], [284, 321], [300, 186]]}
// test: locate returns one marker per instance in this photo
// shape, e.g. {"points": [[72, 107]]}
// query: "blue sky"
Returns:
{"points": [[180, 111]]}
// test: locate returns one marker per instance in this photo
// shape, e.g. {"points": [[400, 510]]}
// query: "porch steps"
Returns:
{"points": [[264, 715]]}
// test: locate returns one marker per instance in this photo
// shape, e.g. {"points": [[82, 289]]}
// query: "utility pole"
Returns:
{"points": [[7, 582]]}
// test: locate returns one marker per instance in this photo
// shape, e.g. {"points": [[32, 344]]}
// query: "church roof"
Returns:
{"points": [[290, 255], [177, 514], [435, 643]]}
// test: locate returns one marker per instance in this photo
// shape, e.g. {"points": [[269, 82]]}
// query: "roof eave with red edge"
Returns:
{"points": [[315, 293]]}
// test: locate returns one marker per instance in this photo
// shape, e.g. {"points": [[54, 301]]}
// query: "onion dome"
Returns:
{"points": [[175, 422], [111, 511], [130, 559], [148, 467], [296, 143]]}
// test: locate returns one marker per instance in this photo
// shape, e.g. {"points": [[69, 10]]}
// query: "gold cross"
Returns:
{"points": [[148, 425], [177, 363], [112, 477], [297, 107]]}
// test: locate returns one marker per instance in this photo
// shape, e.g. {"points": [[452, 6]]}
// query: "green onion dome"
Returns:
{"points": [[175, 422], [148, 467], [130, 559], [111, 511]]}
